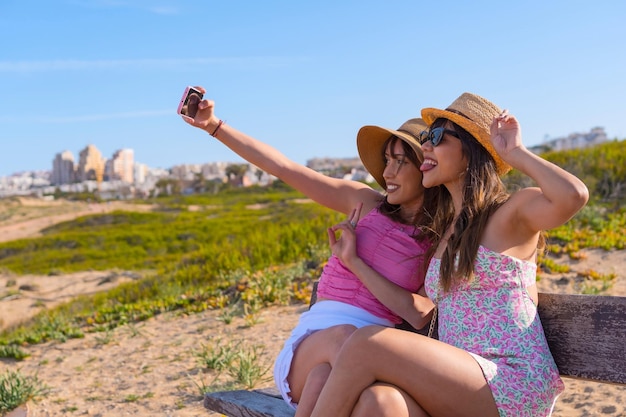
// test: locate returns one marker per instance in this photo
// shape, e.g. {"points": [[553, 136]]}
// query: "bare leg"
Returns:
{"points": [[312, 388], [440, 378], [311, 365], [384, 400]]}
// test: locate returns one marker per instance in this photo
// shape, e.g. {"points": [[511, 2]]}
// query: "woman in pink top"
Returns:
{"points": [[492, 358], [383, 288]]}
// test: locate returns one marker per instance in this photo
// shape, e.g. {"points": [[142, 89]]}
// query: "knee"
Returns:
{"points": [[318, 374], [377, 397], [338, 336], [341, 333], [360, 344], [363, 335], [382, 400]]}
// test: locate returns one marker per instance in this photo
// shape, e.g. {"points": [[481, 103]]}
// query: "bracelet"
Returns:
{"points": [[217, 128]]}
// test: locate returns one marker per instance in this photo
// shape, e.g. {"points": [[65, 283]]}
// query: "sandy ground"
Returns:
{"points": [[153, 369]]}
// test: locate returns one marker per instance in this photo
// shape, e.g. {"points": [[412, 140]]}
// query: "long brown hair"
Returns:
{"points": [[483, 193]]}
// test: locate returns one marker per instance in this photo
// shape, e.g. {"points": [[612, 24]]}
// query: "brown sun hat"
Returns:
{"points": [[474, 114], [370, 141]]}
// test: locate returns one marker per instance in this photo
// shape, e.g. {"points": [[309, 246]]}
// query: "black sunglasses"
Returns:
{"points": [[435, 135]]}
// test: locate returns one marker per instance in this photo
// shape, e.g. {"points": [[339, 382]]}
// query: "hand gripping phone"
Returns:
{"points": [[188, 105]]}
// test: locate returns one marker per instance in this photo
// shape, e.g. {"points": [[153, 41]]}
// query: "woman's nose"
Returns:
{"points": [[389, 172]]}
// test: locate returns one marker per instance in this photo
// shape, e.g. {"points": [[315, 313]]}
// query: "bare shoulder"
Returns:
{"points": [[523, 196], [507, 231], [370, 199]]}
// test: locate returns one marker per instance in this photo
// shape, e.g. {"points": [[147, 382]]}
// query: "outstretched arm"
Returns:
{"points": [[337, 194]]}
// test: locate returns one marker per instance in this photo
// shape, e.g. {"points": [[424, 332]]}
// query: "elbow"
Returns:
{"points": [[579, 196], [421, 323], [421, 313], [570, 199], [418, 322], [584, 194]]}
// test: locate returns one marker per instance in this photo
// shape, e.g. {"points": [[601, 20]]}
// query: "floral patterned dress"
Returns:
{"points": [[494, 318]]}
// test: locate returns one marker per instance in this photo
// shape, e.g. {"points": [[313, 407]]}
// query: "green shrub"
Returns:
{"points": [[16, 389]]}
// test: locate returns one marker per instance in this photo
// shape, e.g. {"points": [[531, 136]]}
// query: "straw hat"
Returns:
{"points": [[474, 114], [370, 141]]}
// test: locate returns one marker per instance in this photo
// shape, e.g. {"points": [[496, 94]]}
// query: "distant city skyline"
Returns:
{"points": [[50, 169], [573, 140], [122, 177]]}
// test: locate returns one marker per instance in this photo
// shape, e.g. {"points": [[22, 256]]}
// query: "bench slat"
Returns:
{"points": [[242, 403], [586, 335]]}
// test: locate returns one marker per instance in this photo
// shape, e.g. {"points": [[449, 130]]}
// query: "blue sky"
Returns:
{"points": [[302, 76]]}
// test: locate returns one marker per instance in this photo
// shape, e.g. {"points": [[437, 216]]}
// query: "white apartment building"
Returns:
{"points": [[63, 169], [140, 172], [573, 141], [121, 166]]}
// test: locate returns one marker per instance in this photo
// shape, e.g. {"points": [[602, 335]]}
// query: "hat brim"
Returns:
{"points": [[370, 141], [484, 138]]}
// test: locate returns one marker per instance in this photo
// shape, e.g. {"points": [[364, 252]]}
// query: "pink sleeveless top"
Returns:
{"points": [[387, 247]]}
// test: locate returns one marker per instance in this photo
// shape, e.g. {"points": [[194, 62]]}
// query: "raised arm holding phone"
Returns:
{"points": [[384, 266]]}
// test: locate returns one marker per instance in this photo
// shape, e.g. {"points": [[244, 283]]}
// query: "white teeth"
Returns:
{"points": [[391, 187], [430, 162]]}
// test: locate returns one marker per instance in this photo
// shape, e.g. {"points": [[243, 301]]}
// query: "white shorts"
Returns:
{"points": [[322, 315]]}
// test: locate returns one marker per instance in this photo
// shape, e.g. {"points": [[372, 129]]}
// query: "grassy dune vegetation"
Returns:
{"points": [[247, 247], [241, 250]]}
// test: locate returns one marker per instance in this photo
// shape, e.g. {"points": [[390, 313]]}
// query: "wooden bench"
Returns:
{"points": [[586, 334]]}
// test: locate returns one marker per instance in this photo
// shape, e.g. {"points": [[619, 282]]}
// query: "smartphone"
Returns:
{"points": [[188, 105]]}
